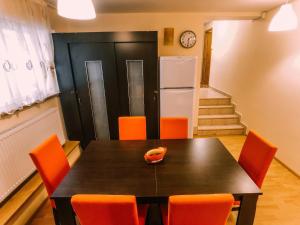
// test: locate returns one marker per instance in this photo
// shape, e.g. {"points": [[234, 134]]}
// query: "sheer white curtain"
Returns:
{"points": [[27, 73]]}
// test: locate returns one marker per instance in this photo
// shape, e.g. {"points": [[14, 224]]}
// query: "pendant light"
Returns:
{"points": [[76, 9], [285, 19]]}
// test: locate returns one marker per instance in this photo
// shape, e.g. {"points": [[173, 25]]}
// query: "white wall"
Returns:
{"points": [[261, 71], [150, 22]]}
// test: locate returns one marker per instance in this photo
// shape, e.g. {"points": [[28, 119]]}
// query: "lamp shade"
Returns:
{"points": [[285, 19], [76, 9]]}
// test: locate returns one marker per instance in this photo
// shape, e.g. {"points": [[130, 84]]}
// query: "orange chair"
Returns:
{"points": [[132, 128], [108, 210], [173, 128], [199, 209], [256, 157], [52, 165]]}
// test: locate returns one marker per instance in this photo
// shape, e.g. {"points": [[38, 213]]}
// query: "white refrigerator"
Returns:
{"points": [[177, 87]]}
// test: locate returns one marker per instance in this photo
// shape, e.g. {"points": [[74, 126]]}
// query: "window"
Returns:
{"points": [[27, 71]]}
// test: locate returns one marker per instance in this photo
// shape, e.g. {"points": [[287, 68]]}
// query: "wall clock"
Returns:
{"points": [[188, 39]]}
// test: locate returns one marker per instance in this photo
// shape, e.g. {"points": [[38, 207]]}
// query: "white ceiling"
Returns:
{"points": [[115, 6]]}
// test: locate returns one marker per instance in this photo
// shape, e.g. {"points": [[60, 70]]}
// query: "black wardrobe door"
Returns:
{"points": [[81, 54], [139, 58], [71, 115]]}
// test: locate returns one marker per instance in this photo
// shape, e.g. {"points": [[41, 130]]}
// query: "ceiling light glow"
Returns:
{"points": [[76, 9], [285, 19]]}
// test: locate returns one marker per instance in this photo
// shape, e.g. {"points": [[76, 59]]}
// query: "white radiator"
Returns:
{"points": [[16, 143]]}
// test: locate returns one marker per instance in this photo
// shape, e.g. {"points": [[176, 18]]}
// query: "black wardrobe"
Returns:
{"points": [[103, 76]]}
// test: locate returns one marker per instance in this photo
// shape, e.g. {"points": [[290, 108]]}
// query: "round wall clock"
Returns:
{"points": [[188, 39]]}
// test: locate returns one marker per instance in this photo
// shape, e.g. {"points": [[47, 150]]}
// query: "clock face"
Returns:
{"points": [[188, 39]]}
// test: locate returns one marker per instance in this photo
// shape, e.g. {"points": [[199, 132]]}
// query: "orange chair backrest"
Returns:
{"points": [[173, 128], [256, 157], [51, 163], [132, 128], [105, 209], [199, 209]]}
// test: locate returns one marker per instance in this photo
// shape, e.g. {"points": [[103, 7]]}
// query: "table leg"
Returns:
{"points": [[55, 215], [65, 212], [247, 210]]}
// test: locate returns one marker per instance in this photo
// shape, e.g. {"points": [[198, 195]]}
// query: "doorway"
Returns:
{"points": [[206, 58]]}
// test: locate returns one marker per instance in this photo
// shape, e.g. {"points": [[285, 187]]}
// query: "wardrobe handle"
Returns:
{"points": [[73, 92], [155, 93]]}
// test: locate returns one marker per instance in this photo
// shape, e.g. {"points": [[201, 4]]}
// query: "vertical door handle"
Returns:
{"points": [[73, 92], [155, 93]]}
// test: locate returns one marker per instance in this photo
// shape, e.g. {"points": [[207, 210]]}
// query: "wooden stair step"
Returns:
{"points": [[221, 127], [219, 130], [218, 116], [215, 106], [219, 119], [215, 109], [215, 101]]}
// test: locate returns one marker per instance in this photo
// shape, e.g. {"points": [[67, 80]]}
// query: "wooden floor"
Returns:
{"points": [[279, 205]]}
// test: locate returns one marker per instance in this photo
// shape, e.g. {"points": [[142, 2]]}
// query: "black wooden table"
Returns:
{"points": [[194, 166]]}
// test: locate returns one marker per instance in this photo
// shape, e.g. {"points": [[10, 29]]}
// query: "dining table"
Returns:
{"points": [[190, 167]]}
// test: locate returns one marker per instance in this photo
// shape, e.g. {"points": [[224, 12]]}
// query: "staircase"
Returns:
{"points": [[216, 115]]}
